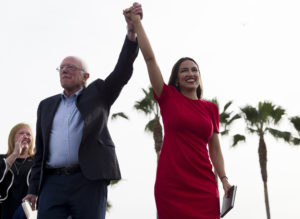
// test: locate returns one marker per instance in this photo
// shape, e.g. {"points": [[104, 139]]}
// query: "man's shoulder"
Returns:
{"points": [[51, 99], [96, 84]]}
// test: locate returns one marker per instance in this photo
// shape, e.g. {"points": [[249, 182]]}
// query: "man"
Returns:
{"points": [[75, 155]]}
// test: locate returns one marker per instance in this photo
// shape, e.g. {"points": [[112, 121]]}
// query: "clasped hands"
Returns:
{"points": [[133, 13]]}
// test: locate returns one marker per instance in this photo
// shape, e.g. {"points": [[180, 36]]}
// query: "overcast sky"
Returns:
{"points": [[248, 51]]}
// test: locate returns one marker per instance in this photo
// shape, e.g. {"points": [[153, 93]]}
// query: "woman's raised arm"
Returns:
{"points": [[156, 79]]}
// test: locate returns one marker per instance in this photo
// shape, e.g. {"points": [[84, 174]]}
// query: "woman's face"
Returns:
{"points": [[188, 76], [23, 135]]}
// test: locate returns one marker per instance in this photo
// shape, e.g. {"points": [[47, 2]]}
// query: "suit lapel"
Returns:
{"points": [[51, 108]]}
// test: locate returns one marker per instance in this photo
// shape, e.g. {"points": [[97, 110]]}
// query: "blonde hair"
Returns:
{"points": [[11, 139]]}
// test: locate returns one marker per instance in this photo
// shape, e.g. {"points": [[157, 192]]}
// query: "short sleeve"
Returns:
{"points": [[215, 117], [163, 95]]}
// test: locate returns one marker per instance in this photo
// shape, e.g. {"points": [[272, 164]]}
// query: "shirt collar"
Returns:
{"points": [[75, 95]]}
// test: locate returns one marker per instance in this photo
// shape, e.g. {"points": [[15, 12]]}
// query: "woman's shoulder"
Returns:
{"points": [[210, 105], [30, 158], [171, 90], [166, 91]]}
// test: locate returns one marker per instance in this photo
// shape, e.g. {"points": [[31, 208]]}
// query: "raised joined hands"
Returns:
{"points": [[133, 13]]}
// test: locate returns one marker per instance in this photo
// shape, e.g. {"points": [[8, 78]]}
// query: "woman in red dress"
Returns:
{"points": [[185, 186]]}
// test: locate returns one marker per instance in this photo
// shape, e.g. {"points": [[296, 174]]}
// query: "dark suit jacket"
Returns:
{"points": [[97, 157]]}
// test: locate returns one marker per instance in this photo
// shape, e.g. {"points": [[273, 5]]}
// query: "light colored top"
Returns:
{"points": [[66, 133]]}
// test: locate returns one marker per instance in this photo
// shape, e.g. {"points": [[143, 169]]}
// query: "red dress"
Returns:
{"points": [[185, 186]]}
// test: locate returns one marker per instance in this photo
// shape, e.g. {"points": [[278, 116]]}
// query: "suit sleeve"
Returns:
{"points": [[37, 162], [122, 72]]}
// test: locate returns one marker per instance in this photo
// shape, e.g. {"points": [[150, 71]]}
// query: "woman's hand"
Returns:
{"points": [[226, 185], [21, 145]]}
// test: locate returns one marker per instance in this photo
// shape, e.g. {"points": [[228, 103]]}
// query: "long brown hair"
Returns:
{"points": [[11, 139], [174, 76]]}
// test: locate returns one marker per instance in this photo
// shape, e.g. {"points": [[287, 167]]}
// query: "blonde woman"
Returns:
{"points": [[15, 168]]}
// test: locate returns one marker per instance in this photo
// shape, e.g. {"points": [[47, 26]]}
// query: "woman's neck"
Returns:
{"points": [[190, 94]]}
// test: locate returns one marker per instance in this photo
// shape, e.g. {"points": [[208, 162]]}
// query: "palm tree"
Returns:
{"points": [[226, 118], [120, 114], [149, 106], [260, 121], [296, 123]]}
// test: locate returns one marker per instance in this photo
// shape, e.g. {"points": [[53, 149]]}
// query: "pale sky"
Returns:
{"points": [[248, 51]]}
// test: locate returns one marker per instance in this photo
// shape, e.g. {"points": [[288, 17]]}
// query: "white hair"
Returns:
{"points": [[82, 63]]}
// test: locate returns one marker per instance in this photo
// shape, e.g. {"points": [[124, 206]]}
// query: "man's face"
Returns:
{"points": [[72, 77]]}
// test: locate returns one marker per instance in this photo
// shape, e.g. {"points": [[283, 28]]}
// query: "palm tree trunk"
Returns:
{"points": [[267, 200], [262, 153]]}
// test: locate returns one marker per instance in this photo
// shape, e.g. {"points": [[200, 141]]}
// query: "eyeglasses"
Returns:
{"points": [[68, 67]]}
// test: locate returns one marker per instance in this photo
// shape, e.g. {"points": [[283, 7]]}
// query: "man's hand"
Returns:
{"points": [[131, 14], [32, 200]]}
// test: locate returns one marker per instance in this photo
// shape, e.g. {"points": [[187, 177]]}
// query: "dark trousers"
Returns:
{"points": [[19, 213], [72, 195]]}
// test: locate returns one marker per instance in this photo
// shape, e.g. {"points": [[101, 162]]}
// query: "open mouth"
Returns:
{"points": [[190, 80], [26, 141]]}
